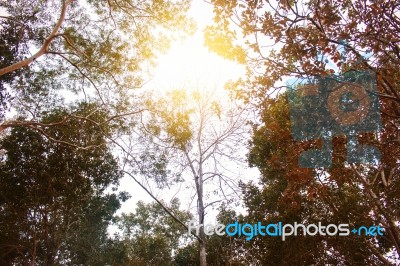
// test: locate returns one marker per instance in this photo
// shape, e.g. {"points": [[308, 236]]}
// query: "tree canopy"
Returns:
{"points": [[54, 199], [73, 123], [309, 40]]}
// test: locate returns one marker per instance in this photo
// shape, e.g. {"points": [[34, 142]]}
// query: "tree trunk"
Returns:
{"points": [[202, 242], [203, 257], [201, 212]]}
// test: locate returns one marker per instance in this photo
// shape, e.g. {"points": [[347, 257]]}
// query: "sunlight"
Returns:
{"points": [[189, 64]]}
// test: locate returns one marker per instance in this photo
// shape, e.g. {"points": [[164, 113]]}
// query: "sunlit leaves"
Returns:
{"points": [[174, 112], [221, 43], [101, 51], [305, 30]]}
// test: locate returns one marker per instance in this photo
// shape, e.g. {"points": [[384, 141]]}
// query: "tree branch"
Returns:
{"points": [[162, 205], [43, 50]]}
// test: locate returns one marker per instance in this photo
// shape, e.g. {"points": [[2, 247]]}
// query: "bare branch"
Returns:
{"points": [[162, 205]]}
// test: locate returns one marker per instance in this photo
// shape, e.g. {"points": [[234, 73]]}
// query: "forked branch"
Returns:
{"points": [[43, 50]]}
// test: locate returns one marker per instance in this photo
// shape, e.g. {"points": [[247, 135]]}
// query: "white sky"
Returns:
{"points": [[188, 64]]}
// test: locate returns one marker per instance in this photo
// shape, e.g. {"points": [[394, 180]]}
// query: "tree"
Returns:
{"points": [[96, 50], [45, 47], [287, 193], [318, 39], [94, 53], [221, 250], [151, 235], [189, 137], [55, 207], [303, 40]]}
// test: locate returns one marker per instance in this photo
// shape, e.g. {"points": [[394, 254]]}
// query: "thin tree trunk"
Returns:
{"points": [[203, 254], [202, 242]]}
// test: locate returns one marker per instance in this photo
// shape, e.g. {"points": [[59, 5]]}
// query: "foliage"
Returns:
{"points": [[221, 250], [55, 207], [92, 50], [291, 194], [312, 39], [195, 135], [291, 38], [150, 235], [89, 55]]}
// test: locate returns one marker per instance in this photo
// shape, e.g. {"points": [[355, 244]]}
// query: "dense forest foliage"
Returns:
{"points": [[74, 122]]}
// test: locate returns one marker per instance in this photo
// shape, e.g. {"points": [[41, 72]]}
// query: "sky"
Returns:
{"points": [[188, 64]]}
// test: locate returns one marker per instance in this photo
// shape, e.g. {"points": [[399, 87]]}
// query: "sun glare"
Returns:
{"points": [[190, 65]]}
